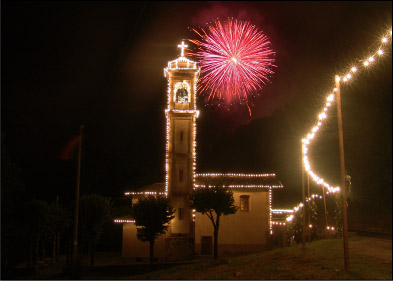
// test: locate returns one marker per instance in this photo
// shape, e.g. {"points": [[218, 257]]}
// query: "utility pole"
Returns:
{"points": [[55, 251], [309, 208], [304, 206], [324, 204], [342, 175], [78, 175]]}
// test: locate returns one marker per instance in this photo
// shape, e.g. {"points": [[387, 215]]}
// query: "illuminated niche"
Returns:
{"points": [[182, 92]]}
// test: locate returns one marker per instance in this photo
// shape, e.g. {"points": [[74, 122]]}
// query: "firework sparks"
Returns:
{"points": [[235, 60]]}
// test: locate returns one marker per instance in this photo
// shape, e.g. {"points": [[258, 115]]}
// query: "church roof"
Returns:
{"points": [[233, 181], [153, 189], [238, 181]]}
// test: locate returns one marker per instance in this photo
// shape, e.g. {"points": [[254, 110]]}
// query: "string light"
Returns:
{"points": [[281, 211], [323, 115], [270, 213], [278, 223], [234, 186], [123, 221], [145, 193], [235, 175]]}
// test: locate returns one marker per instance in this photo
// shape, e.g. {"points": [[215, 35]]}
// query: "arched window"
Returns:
{"points": [[182, 92]]}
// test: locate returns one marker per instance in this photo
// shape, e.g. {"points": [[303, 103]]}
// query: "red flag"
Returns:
{"points": [[68, 151]]}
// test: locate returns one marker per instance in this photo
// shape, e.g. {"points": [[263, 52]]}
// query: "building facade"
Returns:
{"points": [[247, 230]]}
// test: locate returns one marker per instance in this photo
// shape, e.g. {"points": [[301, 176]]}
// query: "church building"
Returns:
{"points": [[190, 233]]}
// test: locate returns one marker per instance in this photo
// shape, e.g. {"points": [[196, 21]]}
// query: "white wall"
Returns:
{"points": [[133, 248], [242, 228]]}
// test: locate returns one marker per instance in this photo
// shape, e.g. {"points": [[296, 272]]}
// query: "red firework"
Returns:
{"points": [[235, 60]]}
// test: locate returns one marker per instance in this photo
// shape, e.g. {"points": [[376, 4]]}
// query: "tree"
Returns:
{"points": [[37, 228], [218, 199], [153, 213], [94, 213], [13, 196], [60, 221]]}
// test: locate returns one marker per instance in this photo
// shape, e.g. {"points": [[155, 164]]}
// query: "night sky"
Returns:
{"points": [[100, 64]]}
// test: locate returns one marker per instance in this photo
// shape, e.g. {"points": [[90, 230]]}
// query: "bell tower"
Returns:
{"points": [[181, 113]]}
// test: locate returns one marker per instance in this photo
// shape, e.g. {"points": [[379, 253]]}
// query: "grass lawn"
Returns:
{"points": [[321, 259]]}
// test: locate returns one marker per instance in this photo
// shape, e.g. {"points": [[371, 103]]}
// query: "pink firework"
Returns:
{"points": [[235, 60]]}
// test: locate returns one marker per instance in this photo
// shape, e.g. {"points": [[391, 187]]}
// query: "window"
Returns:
{"points": [[244, 203], [181, 214], [180, 175]]}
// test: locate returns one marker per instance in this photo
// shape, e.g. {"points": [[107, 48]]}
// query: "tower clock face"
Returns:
{"points": [[182, 95]]}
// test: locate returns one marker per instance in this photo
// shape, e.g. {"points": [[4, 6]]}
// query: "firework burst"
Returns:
{"points": [[235, 60]]}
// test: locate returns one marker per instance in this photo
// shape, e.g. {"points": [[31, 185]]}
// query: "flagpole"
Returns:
{"points": [[78, 174]]}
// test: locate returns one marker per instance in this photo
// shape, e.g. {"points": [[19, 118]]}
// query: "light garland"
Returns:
{"points": [[196, 112], [145, 193], [314, 196], [234, 186], [281, 211], [270, 213], [194, 147], [124, 221], [323, 115], [235, 175], [278, 223], [167, 140]]}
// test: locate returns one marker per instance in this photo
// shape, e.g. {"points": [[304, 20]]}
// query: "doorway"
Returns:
{"points": [[206, 245]]}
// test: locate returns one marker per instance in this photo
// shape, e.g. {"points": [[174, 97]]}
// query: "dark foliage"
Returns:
{"points": [[218, 199], [152, 213]]}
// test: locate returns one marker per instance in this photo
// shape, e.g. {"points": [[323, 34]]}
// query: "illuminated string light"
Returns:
{"points": [[242, 186], [278, 223], [235, 175], [123, 221], [145, 193], [323, 115], [281, 211]]}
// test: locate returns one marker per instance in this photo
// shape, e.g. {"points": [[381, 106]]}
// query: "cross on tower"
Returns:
{"points": [[182, 46]]}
